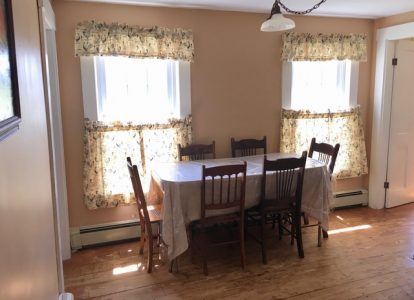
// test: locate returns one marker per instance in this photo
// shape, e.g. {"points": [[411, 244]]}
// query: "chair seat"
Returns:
{"points": [[270, 206], [154, 212], [221, 219]]}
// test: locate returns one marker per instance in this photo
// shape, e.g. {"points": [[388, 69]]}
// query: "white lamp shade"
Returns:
{"points": [[277, 23]]}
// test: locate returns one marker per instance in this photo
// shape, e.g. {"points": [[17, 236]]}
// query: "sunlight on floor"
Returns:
{"points": [[126, 269], [340, 218], [349, 229]]}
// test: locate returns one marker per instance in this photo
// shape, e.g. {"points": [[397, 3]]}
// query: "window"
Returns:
{"points": [[140, 91], [320, 85]]}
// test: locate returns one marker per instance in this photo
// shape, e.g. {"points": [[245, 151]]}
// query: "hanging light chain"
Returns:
{"points": [[300, 12]]}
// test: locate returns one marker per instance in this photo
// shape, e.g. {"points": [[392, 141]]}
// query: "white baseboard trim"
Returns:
{"points": [[66, 296], [99, 234]]}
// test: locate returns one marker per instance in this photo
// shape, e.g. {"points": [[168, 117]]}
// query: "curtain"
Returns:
{"points": [[322, 47], [100, 39], [106, 146], [345, 128]]}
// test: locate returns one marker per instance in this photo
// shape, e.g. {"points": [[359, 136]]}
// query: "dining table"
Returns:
{"points": [[177, 185]]}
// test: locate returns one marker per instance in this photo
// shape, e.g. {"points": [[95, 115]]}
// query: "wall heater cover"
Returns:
{"points": [[350, 198]]}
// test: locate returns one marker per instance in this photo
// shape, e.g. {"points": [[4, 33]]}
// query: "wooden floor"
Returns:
{"points": [[372, 262]]}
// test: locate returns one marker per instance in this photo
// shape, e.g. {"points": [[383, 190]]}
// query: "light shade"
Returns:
{"points": [[277, 23]]}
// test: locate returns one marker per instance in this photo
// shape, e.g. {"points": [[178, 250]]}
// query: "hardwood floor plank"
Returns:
{"points": [[375, 262]]}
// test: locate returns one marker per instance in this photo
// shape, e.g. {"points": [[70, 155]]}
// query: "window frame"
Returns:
{"points": [[287, 84], [90, 77]]}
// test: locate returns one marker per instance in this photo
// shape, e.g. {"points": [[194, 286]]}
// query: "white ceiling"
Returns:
{"points": [[339, 8]]}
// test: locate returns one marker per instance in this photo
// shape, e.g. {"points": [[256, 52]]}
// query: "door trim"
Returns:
{"points": [[381, 118]]}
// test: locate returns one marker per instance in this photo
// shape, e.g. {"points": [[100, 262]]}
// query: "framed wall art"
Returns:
{"points": [[10, 116]]}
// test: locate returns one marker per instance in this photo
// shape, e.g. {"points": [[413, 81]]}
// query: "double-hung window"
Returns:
{"points": [[136, 90], [320, 86]]}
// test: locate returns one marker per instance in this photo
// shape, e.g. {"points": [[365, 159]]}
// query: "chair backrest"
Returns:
{"points": [[247, 147], [282, 182], [223, 187], [197, 151], [326, 153], [144, 218]]}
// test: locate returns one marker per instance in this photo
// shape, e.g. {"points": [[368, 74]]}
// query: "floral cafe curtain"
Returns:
{"points": [[101, 39], [299, 127], [322, 47], [106, 146]]}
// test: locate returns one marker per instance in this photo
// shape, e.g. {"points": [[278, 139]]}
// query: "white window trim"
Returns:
{"points": [[287, 84], [90, 91]]}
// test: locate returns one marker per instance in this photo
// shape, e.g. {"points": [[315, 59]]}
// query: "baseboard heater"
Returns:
{"points": [[86, 236], [350, 198], [101, 234]]}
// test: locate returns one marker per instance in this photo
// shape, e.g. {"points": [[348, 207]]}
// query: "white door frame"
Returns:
{"points": [[55, 137], [381, 118]]}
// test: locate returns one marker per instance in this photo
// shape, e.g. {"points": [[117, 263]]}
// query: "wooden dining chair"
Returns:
{"points": [[247, 147], [222, 202], [327, 154], [280, 199], [148, 215], [197, 151]]}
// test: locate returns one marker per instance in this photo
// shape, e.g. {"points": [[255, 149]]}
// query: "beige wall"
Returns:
{"points": [[236, 80], [394, 20], [28, 259]]}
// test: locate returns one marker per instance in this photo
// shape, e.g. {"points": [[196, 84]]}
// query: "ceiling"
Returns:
{"points": [[339, 8]]}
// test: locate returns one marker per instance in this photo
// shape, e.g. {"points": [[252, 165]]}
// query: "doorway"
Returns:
{"points": [[381, 121], [400, 168]]}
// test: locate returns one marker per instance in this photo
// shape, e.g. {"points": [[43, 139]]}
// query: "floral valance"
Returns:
{"points": [[106, 181], [101, 39], [346, 128], [322, 47]]}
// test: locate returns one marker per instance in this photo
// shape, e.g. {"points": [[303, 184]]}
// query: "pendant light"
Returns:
{"points": [[277, 22]]}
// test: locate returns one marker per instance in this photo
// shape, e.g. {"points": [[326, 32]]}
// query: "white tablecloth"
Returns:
{"points": [[178, 186]]}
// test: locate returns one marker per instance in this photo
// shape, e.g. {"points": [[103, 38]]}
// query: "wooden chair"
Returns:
{"points": [[222, 203], [147, 215], [327, 154], [197, 151], [247, 147], [281, 198]]}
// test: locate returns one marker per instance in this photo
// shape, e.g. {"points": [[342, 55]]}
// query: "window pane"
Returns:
{"points": [[136, 90], [319, 86]]}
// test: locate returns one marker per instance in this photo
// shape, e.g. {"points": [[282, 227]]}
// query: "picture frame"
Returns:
{"points": [[10, 115]]}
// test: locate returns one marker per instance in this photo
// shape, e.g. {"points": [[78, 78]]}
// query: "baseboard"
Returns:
{"points": [[101, 234], [351, 198]]}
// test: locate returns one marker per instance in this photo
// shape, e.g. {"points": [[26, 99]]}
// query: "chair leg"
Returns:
{"points": [[263, 240], [319, 234], [191, 243], [173, 262], [305, 219], [292, 232], [142, 240], [203, 250], [170, 268], [159, 234], [325, 234], [279, 220], [242, 252], [298, 233], [150, 253]]}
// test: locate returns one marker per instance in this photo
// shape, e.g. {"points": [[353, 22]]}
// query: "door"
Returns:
{"points": [[400, 174]]}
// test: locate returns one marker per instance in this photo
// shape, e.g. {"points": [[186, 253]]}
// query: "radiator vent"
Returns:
{"points": [[86, 236], [351, 198]]}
